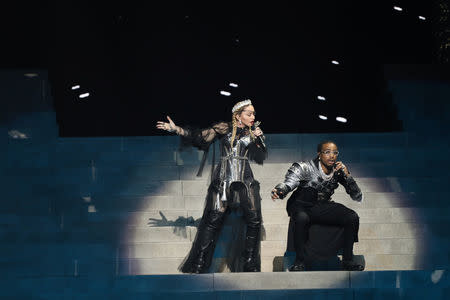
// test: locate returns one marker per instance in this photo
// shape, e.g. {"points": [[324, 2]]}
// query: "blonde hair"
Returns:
{"points": [[234, 124]]}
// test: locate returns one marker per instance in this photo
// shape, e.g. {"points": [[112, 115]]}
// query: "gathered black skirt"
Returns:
{"points": [[323, 241]]}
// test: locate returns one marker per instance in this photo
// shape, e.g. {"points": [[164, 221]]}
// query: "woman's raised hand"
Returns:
{"points": [[170, 126]]}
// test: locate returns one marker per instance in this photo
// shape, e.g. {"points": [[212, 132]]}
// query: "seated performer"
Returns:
{"points": [[315, 182], [232, 184]]}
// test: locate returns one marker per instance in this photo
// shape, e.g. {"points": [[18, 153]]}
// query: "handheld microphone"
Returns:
{"points": [[261, 137], [340, 172]]}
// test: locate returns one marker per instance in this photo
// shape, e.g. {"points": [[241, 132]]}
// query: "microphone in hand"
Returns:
{"points": [[260, 138], [338, 173]]}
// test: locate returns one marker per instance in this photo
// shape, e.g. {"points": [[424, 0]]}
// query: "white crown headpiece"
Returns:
{"points": [[241, 104]]}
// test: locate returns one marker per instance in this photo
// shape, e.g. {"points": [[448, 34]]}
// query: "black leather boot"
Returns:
{"points": [[251, 251], [250, 256], [200, 263], [200, 257], [298, 266]]}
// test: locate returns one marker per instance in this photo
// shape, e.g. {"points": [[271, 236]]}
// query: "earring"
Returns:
{"points": [[240, 122]]}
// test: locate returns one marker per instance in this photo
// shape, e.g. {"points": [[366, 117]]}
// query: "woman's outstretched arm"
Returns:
{"points": [[170, 127], [200, 138]]}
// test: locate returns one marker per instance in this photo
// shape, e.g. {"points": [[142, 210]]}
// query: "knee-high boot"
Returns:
{"points": [[251, 251], [203, 248]]}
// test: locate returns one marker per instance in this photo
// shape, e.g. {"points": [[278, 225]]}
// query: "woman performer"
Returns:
{"points": [[232, 183]]}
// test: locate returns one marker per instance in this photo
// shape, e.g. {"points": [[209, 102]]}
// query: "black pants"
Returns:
{"points": [[325, 213]]}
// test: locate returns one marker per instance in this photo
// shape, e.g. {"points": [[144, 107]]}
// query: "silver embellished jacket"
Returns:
{"points": [[234, 166], [307, 174]]}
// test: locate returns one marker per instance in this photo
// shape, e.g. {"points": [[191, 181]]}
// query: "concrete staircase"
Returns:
{"points": [[82, 218], [130, 206]]}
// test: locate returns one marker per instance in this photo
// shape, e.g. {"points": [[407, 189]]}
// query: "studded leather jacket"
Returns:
{"points": [[307, 174], [234, 166]]}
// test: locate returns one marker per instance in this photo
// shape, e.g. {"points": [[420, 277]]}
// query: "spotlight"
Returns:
{"points": [[15, 134], [341, 119], [235, 85], [321, 98], [422, 18], [398, 8], [75, 87], [87, 199], [334, 62], [84, 95], [323, 117], [224, 93], [92, 209], [30, 75]]}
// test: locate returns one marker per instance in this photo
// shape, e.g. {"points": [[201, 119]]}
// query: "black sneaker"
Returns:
{"points": [[349, 265], [298, 266]]}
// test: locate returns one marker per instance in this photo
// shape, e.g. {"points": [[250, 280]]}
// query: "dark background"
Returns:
{"points": [[141, 61]]}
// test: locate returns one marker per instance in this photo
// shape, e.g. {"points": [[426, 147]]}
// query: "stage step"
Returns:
{"points": [[137, 234], [270, 216], [131, 171], [373, 262], [178, 217], [178, 249], [433, 284], [53, 201], [139, 187], [67, 265], [111, 204]]}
